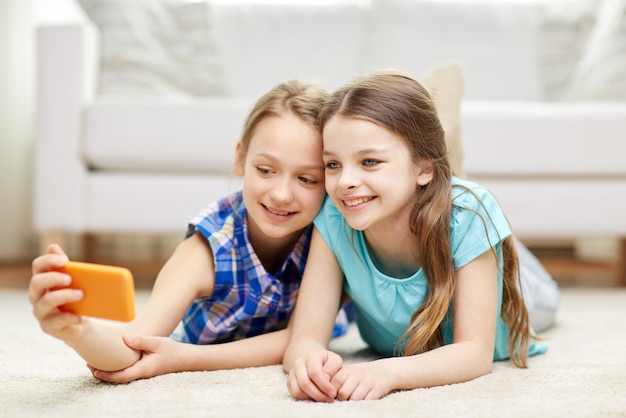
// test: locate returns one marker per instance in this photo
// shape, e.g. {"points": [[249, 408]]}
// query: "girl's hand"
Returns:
{"points": [[361, 381], [160, 355], [48, 290], [311, 376]]}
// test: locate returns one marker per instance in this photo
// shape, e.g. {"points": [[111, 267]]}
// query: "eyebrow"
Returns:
{"points": [[371, 150], [304, 166]]}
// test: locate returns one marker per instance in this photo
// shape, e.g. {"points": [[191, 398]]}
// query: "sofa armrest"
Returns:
{"points": [[66, 54]]}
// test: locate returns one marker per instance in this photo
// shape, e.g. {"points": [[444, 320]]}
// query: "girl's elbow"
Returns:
{"points": [[485, 367], [482, 360], [484, 363]]}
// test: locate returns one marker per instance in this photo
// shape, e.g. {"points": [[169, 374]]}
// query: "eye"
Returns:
{"points": [[332, 165], [369, 162], [263, 170], [308, 181]]}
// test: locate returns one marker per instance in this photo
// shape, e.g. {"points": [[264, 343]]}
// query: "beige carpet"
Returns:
{"points": [[582, 375]]}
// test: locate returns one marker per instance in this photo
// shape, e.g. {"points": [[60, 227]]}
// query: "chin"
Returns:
{"points": [[281, 232], [358, 226]]}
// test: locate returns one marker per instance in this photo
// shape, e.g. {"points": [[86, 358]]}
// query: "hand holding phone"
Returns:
{"points": [[108, 291]]}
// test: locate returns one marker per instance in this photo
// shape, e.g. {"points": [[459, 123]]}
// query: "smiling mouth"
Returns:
{"points": [[356, 202], [278, 212]]}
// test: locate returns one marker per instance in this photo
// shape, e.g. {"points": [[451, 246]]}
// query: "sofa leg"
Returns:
{"points": [[83, 247], [621, 263], [89, 247]]}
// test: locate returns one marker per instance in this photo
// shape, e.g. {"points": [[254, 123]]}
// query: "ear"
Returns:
{"points": [[240, 160], [424, 172]]}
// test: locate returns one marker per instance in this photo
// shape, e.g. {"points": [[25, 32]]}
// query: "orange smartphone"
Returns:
{"points": [[109, 291]]}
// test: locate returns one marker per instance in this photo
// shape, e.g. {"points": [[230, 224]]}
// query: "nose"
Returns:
{"points": [[282, 192], [347, 179]]}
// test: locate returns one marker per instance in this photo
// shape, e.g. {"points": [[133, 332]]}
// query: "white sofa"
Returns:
{"points": [[146, 162]]}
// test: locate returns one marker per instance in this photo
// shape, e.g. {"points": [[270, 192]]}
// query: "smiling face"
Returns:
{"points": [[283, 187], [370, 175]]}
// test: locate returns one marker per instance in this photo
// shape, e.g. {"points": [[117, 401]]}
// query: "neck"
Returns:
{"points": [[271, 251], [393, 251]]}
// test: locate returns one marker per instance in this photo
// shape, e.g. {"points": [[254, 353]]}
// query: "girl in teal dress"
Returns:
{"points": [[429, 260]]}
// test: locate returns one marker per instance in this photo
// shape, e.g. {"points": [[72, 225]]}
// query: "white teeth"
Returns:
{"points": [[357, 201], [278, 213]]}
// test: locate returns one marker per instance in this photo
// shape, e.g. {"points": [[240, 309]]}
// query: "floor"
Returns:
{"points": [[569, 271], [566, 269]]}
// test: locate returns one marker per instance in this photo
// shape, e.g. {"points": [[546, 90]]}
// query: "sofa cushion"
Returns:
{"points": [[263, 44], [199, 135], [494, 41], [166, 136], [445, 83], [565, 26], [155, 47], [516, 140], [600, 73]]}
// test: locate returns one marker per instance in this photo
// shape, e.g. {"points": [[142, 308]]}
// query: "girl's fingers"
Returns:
{"points": [[56, 249], [45, 262], [149, 344], [43, 278], [51, 301], [320, 379], [41, 284], [59, 321], [121, 376], [345, 386], [333, 364], [301, 387]]}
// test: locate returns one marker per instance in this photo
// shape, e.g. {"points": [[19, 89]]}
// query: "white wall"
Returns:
{"points": [[17, 115], [17, 239], [18, 18]]}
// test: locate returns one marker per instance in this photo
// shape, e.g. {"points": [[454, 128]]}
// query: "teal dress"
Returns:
{"points": [[383, 304]]}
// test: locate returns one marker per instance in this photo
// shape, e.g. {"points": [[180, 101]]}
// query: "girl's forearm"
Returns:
{"points": [[100, 344], [263, 350], [449, 364]]}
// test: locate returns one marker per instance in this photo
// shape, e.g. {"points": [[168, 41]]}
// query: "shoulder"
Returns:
{"points": [[477, 222], [328, 210], [327, 214], [329, 219], [221, 221], [470, 199], [215, 214], [470, 195]]}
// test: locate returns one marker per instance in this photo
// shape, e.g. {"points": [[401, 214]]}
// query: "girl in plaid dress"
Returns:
{"points": [[234, 279]]}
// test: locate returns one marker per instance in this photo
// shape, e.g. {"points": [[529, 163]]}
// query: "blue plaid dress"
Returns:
{"points": [[246, 299]]}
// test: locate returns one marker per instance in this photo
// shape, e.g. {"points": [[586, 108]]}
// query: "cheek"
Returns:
{"points": [[320, 194], [252, 186], [330, 181], [315, 198]]}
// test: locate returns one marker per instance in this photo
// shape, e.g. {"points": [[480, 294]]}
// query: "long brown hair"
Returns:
{"points": [[397, 102]]}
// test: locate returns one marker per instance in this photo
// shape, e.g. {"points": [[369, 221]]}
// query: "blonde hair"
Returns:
{"points": [[399, 103], [291, 97]]}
